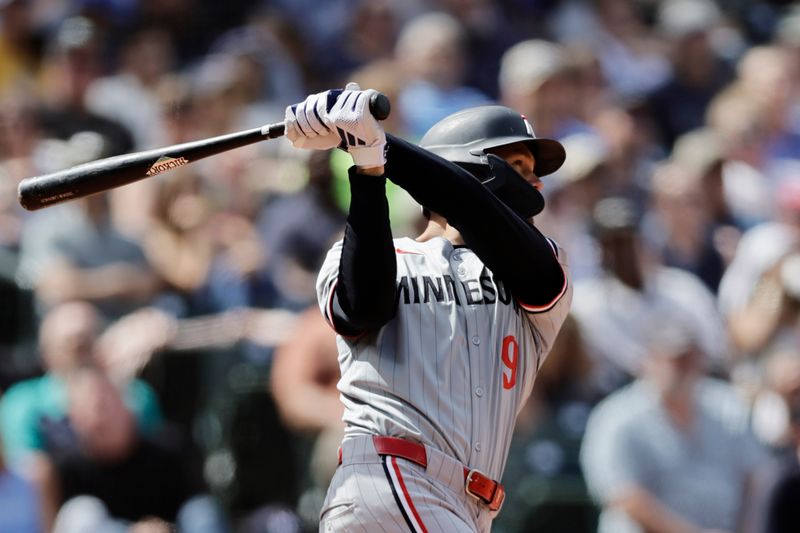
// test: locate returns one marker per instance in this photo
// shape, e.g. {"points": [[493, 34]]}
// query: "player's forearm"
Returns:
{"points": [[511, 247], [366, 284]]}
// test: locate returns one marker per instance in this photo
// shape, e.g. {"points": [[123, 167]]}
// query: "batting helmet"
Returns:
{"points": [[464, 138]]}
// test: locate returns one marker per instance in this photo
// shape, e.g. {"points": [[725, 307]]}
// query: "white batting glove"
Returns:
{"points": [[360, 133], [306, 123]]}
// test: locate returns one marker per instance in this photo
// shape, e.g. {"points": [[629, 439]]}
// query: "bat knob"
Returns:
{"points": [[380, 106]]}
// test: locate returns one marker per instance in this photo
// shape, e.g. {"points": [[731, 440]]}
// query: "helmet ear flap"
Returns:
{"points": [[512, 189]]}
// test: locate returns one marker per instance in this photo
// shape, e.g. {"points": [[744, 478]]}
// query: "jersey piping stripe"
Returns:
{"points": [[554, 301], [401, 495], [547, 306], [553, 246]]}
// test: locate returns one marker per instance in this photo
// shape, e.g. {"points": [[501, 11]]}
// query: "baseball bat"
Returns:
{"points": [[104, 174]]}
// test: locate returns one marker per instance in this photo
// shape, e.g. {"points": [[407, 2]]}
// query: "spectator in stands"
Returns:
{"points": [[634, 62], [765, 77], [734, 121], [180, 247], [370, 35], [490, 29], [19, 138], [18, 55], [615, 308], [700, 151], [537, 78], [753, 296], [130, 95], [72, 62], [698, 72], [633, 150], [33, 412], [680, 226], [672, 451], [132, 476], [31, 408], [773, 508], [431, 50], [265, 48], [770, 321], [295, 247], [19, 501], [74, 251]]}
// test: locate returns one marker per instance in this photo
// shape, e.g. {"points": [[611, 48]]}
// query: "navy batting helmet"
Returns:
{"points": [[464, 137]]}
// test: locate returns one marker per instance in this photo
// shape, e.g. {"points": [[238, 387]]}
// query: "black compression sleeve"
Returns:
{"points": [[365, 291], [515, 251]]}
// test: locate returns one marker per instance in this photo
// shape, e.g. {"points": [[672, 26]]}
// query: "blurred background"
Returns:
{"points": [[163, 363]]}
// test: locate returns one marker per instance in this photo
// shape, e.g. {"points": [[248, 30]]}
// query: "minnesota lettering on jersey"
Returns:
{"points": [[444, 289]]}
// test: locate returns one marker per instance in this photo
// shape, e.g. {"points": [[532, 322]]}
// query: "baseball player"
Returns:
{"points": [[439, 337]]}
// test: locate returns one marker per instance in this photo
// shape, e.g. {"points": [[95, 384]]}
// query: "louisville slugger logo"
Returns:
{"points": [[165, 163]]}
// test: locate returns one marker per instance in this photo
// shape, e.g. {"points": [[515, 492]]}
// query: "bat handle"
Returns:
{"points": [[379, 107]]}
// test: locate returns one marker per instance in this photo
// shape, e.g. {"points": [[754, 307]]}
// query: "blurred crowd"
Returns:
{"points": [[163, 362]]}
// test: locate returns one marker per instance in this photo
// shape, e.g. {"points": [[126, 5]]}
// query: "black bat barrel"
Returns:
{"points": [[104, 174]]}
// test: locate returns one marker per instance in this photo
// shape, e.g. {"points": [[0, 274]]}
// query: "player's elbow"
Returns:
{"points": [[375, 316], [366, 314], [544, 289]]}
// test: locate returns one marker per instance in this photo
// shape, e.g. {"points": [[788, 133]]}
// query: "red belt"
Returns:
{"points": [[476, 484]]}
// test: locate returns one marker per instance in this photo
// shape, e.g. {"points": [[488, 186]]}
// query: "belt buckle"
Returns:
{"points": [[498, 494]]}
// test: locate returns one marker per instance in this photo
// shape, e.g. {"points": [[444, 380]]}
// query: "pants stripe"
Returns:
{"points": [[402, 497]]}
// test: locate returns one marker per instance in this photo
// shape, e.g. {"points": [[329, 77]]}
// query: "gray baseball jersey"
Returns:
{"points": [[455, 365]]}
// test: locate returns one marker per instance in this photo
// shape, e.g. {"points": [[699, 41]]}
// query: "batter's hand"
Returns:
{"points": [[360, 133], [306, 123]]}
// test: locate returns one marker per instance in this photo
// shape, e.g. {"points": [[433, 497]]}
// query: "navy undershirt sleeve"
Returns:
{"points": [[364, 298], [513, 249]]}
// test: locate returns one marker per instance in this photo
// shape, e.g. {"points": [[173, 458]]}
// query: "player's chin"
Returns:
{"points": [[536, 184]]}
